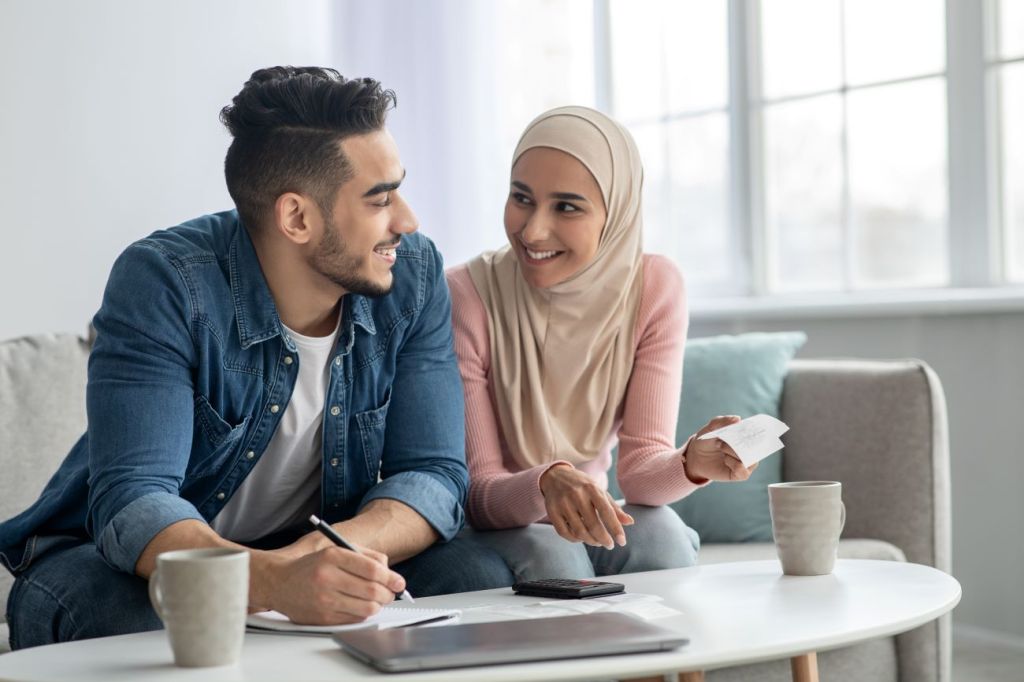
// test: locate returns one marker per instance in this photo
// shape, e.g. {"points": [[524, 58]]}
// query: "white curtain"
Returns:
{"points": [[440, 58]]}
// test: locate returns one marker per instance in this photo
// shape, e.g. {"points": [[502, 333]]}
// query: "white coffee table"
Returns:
{"points": [[733, 613]]}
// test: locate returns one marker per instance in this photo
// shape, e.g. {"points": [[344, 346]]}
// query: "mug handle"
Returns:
{"points": [[842, 516], [155, 597]]}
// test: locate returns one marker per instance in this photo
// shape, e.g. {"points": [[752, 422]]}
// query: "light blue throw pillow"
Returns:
{"points": [[742, 375]]}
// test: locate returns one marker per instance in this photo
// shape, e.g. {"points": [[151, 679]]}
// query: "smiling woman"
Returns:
{"points": [[554, 233], [569, 338]]}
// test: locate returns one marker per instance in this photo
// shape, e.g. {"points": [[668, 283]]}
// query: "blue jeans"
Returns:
{"points": [[69, 592], [659, 539]]}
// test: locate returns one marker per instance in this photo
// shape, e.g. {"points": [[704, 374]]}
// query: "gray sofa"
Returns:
{"points": [[879, 427]]}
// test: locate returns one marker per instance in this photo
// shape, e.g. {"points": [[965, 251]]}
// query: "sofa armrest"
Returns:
{"points": [[880, 428]]}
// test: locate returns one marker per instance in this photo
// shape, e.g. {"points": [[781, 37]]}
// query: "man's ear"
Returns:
{"points": [[294, 217]]}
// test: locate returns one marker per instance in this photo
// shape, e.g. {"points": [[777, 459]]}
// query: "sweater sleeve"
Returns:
{"points": [[650, 469], [501, 495]]}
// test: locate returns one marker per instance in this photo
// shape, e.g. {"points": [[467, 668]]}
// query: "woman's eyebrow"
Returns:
{"points": [[561, 196]]}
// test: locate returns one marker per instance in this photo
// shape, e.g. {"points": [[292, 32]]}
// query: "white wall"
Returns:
{"points": [[978, 358], [109, 130]]}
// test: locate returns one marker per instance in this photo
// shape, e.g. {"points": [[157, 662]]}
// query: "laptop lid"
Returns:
{"points": [[510, 641]]}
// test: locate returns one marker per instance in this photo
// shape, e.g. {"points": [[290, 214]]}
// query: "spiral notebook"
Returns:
{"points": [[388, 617]]}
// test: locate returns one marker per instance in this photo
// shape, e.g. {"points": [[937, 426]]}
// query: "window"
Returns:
{"points": [[669, 64], [854, 171], [796, 146]]}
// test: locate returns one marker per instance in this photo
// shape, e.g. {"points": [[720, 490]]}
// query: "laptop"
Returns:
{"points": [[511, 641]]}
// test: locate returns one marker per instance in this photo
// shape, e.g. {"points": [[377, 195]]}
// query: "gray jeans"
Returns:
{"points": [[659, 539]]}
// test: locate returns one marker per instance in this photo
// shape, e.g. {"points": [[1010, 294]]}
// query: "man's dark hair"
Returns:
{"points": [[287, 123]]}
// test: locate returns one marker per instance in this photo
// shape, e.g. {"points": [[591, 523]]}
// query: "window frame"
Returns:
{"points": [[975, 233]]}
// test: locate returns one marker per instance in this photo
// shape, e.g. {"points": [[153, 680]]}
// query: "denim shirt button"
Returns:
{"points": [[220, 496], [335, 411], [334, 462], [274, 409], [250, 455], [288, 360], [337, 361]]}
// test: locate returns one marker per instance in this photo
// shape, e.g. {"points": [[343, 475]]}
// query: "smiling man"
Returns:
{"points": [[291, 357]]}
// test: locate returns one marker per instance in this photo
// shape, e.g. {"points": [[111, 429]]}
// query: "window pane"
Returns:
{"points": [[686, 200], [668, 56], [1011, 28], [800, 46], [886, 40], [803, 194], [697, 52], [652, 142], [699, 201], [1012, 84], [898, 184], [638, 62]]}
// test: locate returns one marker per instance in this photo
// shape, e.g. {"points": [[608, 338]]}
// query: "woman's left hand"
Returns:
{"points": [[714, 459]]}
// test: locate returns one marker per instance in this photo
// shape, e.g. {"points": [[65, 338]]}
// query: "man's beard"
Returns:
{"points": [[333, 261]]}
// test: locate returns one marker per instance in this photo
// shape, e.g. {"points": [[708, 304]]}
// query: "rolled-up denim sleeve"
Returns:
{"points": [[430, 498], [139, 402], [424, 460]]}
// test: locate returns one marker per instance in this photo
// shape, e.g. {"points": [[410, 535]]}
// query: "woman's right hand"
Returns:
{"points": [[580, 510]]}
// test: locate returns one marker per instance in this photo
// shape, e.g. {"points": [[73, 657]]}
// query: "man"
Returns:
{"points": [[255, 366]]}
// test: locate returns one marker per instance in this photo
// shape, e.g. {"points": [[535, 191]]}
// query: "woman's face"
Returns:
{"points": [[554, 216]]}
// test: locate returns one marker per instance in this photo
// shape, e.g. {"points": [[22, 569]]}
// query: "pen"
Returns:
{"points": [[326, 529]]}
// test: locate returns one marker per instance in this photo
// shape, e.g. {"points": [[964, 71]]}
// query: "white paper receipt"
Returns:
{"points": [[753, 438]]}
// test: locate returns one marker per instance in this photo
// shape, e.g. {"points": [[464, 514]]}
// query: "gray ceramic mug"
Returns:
{"points": [[202, 597], [807, 519]]}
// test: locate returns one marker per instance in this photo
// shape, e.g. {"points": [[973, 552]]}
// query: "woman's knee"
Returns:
{"points": [[662, 538], [537, 551]]}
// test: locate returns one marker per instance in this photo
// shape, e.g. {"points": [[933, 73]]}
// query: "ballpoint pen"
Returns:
{"points": [[326, 529]]}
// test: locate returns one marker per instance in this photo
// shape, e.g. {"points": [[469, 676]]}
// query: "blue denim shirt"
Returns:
{"points": [[188, 380]]}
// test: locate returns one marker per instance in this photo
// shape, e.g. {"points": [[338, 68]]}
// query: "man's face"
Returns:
{"points": [[367, 220]]}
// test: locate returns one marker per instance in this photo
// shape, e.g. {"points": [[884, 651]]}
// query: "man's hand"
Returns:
{"points": [[713, 459], [332, 586], [580, 510]]}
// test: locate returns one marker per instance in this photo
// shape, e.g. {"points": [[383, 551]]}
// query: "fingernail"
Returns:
{"points": [[621, 539]]}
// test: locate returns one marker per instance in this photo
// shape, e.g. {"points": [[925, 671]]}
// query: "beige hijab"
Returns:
{"points": [[561, 357]]}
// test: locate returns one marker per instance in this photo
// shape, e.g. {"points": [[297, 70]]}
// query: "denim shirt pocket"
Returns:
{"points": [[371, 425], [213, 440]]}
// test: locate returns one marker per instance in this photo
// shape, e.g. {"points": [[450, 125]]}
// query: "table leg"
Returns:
{"points": [[696, 676], [805, 668]]}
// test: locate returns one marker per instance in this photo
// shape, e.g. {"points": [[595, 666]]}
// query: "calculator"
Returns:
{"points": [[561, 588]]}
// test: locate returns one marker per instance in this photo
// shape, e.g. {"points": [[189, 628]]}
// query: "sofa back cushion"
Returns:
{"points": [[42, 414], [743, 375]]}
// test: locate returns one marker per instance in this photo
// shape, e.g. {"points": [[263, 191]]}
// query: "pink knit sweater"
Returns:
{"points": [[650, 470]]}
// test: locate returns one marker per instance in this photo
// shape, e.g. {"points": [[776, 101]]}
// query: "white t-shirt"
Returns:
{"points": [[283, 488]]}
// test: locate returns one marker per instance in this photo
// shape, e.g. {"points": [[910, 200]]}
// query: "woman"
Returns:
{"points": [[569, 337]]}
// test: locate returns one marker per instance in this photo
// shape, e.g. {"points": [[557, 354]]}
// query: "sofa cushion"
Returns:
{"points": [[742, 375], [720, 553], [42, 414]]}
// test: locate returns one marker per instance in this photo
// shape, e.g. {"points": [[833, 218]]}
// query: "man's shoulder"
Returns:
{"points": [[418, 269], [417, 245], [207, 237]]}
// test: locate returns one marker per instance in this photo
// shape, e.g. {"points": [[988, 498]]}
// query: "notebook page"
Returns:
{"points": [[387, 617]]}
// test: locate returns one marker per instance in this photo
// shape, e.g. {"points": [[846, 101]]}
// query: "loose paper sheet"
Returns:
{"points": [[753, 438], [644, 606]]}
